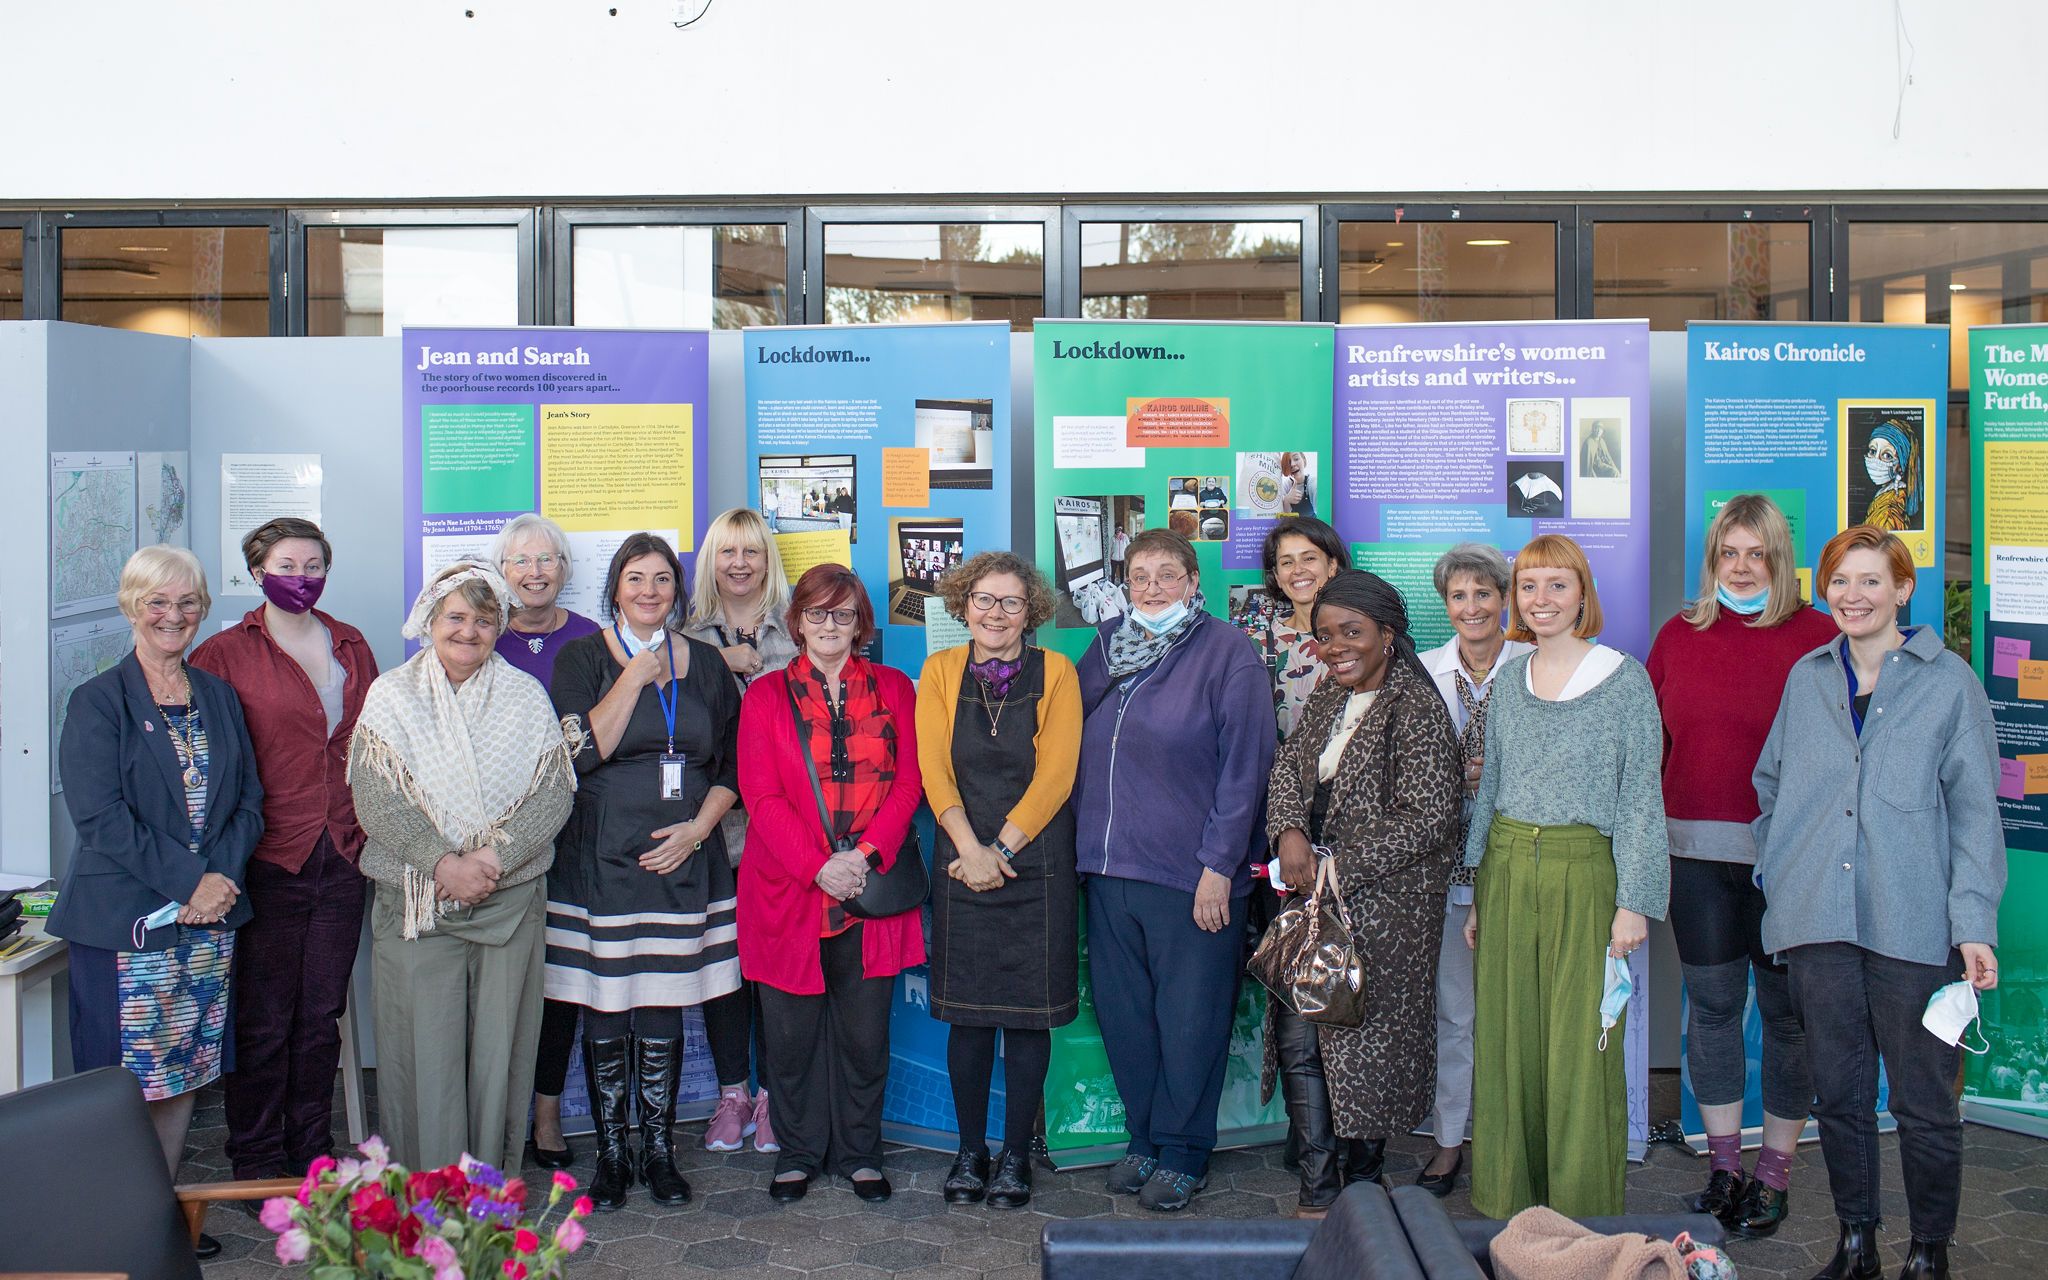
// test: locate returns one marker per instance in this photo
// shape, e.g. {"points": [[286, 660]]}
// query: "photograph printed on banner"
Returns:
{"points": [[1276, 484], [1089, 537], [1250, 607], [1884, 467], [1600, 485], [920, 552], [1198, 507], [809, 493], [1535, 427], [960, 437], [1535, 490]]}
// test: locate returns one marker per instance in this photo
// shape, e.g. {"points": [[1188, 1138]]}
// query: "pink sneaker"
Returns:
{"points": [[731, 1121], [764, 1133]]}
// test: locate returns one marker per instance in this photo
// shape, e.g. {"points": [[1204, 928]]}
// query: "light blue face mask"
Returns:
{"points": [[1161, 623], [1745, 605], [1614, 997], [156, 919]]}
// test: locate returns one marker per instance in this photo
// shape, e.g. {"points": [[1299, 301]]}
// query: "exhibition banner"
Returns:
{"points": [[1219, 431], [2009, 646], [1839, 424], [887, 448], [1496, 433], [602, 431]]}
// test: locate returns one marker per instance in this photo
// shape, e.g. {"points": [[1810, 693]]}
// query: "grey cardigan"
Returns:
{"points": [[1859, 838]]}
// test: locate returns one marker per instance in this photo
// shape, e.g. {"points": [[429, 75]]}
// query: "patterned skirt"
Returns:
{"points": [[161, 1014]]}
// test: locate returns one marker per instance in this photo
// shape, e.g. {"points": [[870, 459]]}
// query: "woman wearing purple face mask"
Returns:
{"points": [[301, 676]]}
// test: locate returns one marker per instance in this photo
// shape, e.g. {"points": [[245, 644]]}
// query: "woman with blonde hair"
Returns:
{"points": [[1719, 669], [1568, 836], [738, 602]]}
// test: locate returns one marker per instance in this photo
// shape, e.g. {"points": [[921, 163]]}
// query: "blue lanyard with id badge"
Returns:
{"points": [[671, 760]]}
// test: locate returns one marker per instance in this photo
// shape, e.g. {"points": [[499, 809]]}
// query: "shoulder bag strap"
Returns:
{"points": [[810, 766]]}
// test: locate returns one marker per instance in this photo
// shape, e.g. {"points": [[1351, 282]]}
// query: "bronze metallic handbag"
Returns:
{"points": [[1307, 959]]}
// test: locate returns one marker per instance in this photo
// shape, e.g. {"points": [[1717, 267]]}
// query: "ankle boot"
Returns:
{"points": [[659, 1067], [1312, 1143], [1365, 1159], [1855, 1255], [1926, 1260], [608, 1074]]}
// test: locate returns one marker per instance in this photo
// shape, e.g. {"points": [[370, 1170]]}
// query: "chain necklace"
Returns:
{"points": [[995, 715], [186, 741]]}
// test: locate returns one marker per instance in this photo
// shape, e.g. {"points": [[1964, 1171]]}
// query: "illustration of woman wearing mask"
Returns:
{"points": [[1894, 467], [1176, 744]]}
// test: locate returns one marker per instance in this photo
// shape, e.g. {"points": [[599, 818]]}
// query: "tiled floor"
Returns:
{"points": [[732, 1229]]}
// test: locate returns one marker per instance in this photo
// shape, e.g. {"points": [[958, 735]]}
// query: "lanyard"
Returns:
{"points": [[665, 695]]}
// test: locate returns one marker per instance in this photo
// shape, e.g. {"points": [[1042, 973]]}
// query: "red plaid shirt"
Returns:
{"points": [[853, 751]]}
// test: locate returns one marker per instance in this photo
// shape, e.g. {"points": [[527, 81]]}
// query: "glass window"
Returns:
{"points": [[185, 282], [1402, 272], [1191, 270], [722, 277], [1673, 272], [369, 281], [896, 272], [10, 273]]}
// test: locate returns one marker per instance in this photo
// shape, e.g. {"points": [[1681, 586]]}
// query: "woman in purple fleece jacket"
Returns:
{"points": [[1176, 745]]}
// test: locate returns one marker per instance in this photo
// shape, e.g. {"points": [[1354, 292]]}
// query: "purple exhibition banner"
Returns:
{"points": [[1496, 433], [605, 432]]}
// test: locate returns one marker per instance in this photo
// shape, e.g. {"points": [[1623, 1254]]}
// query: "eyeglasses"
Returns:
{"points": [[545, 561], [1165, 581], [844, 617], [985, 601], [157, 606]]}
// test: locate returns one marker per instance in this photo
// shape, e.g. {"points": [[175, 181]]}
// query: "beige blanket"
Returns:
{"points": [[1542, 1244]]}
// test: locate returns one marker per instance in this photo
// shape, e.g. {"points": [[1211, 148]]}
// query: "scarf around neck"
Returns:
{"points": [[1132, 648]]}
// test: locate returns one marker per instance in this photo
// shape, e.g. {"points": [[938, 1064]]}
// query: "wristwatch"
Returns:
{"points": [[871, 854], [1008, 853]]}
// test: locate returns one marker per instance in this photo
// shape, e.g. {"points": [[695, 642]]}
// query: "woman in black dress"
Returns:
{"points": [[641, 899], [999, 734]]}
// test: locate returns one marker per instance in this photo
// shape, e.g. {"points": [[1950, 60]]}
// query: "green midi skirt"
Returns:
{"points": [[1549, 1106]]}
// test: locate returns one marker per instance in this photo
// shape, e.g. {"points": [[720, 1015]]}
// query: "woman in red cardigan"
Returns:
{"points": [[826, 978]]}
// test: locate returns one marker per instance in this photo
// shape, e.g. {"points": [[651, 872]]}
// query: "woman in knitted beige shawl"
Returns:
{"points": [[461, 779]]}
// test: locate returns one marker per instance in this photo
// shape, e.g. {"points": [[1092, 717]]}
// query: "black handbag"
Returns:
{"points": [[904, 886]]}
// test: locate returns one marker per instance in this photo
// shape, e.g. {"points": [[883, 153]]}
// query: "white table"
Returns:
{"points": [[42, 959]]}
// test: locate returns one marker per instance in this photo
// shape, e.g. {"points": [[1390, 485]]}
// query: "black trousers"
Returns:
{"points": [[1858, 1007], [1719, 932], [828, 1060]]}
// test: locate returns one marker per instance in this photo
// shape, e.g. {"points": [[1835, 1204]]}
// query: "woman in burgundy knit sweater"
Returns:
{"points": [[1719, 669]]}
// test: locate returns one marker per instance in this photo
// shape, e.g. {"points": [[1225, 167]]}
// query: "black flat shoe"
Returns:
{"points": [[967, 1181], [1442, 1184], [550, 1158], [873, 1190], [1762, 1210], [208, 1247], [788, 1190], [1011, 1187], [1722, 1195]]}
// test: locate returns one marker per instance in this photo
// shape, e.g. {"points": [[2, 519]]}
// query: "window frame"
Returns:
{"points": [[817, 217], [1562, 217], [49, 268], [30, 224], [563, 221], [525, 219], [1842, 216], [1073, 215], [1820, 304]]}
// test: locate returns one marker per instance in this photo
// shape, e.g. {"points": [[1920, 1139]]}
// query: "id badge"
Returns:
{"points": [[672, 775]]}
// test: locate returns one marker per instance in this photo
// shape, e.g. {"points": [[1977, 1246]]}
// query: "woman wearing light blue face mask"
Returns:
{"points": [[1718, 668], [1176, 742]]}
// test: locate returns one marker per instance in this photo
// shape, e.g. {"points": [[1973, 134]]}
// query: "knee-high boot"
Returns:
{"points": [[608, 1074], [659, 1067]]}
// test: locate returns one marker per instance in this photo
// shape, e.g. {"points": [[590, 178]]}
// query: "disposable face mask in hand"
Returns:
{"points": [[1950, 1011], [1614, 996], [168, 912]]}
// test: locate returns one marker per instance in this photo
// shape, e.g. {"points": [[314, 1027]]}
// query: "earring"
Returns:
{"points": [[1389, 651], [1582, 618]]}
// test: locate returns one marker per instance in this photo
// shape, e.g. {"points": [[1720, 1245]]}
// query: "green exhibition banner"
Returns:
{"points": [[2008, 418], [1219, 430]]}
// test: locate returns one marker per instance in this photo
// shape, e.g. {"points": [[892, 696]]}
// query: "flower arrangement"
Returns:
{"points": [[370, 1217]]}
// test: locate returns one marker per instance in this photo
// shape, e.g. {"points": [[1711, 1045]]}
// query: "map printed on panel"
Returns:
{"points": [[160, 497], [78, 652], [92, 529]]}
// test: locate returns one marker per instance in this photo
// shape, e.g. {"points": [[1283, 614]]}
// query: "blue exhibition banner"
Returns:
{"points": [[887, 448], [1839, 424]]}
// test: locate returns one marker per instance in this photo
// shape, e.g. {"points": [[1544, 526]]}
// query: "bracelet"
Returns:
{"points": [[1008, 853]]}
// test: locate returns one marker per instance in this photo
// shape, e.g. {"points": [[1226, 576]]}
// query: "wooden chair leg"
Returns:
{"points": [[194, 1200]]}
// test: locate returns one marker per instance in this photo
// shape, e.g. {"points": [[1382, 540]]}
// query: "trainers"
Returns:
{"points": [[729, 1124], [1130, 1174], [764, 1133], [1168, 1191]]}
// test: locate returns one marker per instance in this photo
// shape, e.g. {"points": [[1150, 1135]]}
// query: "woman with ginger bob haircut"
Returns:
{"points": [[1568, 837]]}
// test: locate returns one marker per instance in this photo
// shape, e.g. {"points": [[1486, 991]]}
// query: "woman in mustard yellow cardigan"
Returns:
{"points": [[998, 738]]}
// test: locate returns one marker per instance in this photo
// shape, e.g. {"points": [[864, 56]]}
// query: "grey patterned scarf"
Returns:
{"points": [[1132, 648]]}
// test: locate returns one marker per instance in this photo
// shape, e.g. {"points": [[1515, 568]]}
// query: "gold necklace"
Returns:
{"points": [[995, 717], [186, 742]]}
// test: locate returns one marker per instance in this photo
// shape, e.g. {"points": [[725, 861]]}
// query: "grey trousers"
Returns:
{"points": [[1454, 1009], [458, 1019]]}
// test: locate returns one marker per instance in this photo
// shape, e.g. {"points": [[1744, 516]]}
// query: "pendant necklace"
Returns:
{"points": [[535, 643], [187, 740], [995, 715]]}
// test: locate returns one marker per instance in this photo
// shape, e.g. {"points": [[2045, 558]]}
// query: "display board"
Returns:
{"points": [[599, 430], [1496, 433], [1839, 424], [2009, 646]]}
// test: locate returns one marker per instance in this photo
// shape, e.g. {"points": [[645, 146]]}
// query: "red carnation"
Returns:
{"points": [[525, 1241]]}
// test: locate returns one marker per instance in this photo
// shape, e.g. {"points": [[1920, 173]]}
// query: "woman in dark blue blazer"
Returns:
{"points": [[160, 781]]}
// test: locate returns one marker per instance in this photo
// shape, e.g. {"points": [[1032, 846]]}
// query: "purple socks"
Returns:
{"points": [[1725, 1153], [1774, 1169]]}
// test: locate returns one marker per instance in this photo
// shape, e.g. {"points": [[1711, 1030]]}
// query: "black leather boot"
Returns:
{"points": [[1365, 1160], [1307, 1095], [1010, 1188], [1761, 1212], [660, 1066], [1926, 1260], [1855, 1255], [1723, 1195], [967, 1180], [608, 1074]]}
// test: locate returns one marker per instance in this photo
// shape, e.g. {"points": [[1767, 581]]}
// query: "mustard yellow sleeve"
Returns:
{"points": [[937, 690], [1059, 748]]}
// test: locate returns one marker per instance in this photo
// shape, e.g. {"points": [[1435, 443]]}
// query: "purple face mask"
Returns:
{"points": [[293, 592]]}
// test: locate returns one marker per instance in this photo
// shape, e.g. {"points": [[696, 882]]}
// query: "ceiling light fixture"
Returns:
{"points": [[1487, 244], [1957, 288], [144, 248]]}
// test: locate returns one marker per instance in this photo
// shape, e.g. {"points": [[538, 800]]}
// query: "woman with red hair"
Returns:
{"points": [[836, 722]]}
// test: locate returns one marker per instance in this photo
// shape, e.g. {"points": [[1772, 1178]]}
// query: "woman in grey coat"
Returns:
{"points": [[1881, 851]]}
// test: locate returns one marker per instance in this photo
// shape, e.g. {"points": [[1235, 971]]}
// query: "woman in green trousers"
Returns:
{"points": [[1568, 835]]}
